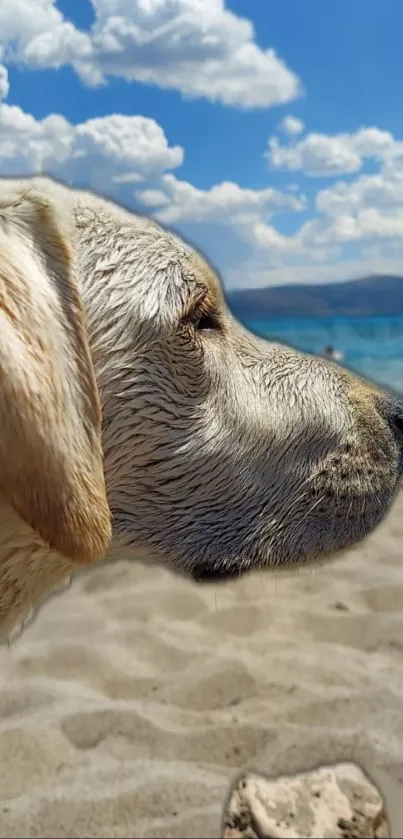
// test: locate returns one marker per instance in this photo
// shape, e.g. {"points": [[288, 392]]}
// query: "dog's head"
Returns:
{"points": [[222, 452]]}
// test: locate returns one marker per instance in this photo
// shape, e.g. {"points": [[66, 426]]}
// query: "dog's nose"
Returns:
{"points": [[395, 418]]}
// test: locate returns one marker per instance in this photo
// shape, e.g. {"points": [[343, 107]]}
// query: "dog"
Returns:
{"points": [[139, 418]]}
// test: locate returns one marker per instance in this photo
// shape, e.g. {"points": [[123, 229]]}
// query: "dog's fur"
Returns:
{"points": [[216, 452]]}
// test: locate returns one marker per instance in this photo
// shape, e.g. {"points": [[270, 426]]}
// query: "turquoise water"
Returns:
{"points": [[372, 347]]}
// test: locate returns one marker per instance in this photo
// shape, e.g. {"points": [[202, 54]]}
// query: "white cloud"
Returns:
{"points": [[98, 152], [198, 47], [132, 153], [366, 210], [36, 34], [324, 155], [225, 203], [366, 213], [366, 224], [29, 145], [383, 190], [291, 125], [114, 151], [130, 143], [369, 208], [364, 217], [4, 85], [266, 237]]}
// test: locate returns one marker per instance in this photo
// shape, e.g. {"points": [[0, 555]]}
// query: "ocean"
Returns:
{"points": [[372, 347]]}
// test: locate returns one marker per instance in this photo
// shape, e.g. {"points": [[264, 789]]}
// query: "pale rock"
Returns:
{"points": [[329, 802]]}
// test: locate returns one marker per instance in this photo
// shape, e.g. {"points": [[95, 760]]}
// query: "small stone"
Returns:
{"points": [[309, 804], [342, 607]]}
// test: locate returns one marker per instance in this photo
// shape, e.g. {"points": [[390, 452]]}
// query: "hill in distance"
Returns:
{"points": [[375, 296]]}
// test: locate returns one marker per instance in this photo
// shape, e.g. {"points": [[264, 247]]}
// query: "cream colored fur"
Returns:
{"points": [[130, 395]]}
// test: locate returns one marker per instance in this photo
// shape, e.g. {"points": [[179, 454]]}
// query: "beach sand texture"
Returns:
{"points": [[135, 699]]}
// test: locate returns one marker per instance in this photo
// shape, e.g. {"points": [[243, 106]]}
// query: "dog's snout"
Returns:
{"points": [[395, 418]]}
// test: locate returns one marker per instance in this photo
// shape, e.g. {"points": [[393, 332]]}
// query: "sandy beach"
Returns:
{"points": [[135, 699]]}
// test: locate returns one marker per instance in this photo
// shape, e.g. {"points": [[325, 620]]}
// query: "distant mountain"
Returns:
{"points": [[367, 297]]}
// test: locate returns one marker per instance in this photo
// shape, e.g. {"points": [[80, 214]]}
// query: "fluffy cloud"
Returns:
{"points": [[4, 85], [365, 225], [128, 143], [36, 34], [366, 210], [356, 213], [98, 152], [198, 47], [202, 49], [117, 151], [355, 229], [291, 125], [363, 216], [265, 237], [226, 203], [370, 208], [324, 155], [383, 190]]}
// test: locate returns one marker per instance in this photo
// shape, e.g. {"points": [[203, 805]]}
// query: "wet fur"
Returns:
{"points": [[216, 451]]}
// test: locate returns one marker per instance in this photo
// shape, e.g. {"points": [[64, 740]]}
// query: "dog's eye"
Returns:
{"points": [[203, 317], [204, 321], [201, 320]]}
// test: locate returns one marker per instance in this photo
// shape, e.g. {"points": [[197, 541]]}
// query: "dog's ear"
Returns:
{"points": [[51, 464]]}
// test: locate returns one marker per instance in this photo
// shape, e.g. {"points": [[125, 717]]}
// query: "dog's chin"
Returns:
{"points": [[216, 575]]}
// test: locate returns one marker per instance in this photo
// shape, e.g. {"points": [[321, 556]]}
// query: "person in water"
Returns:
{"points": [[331, 353]]}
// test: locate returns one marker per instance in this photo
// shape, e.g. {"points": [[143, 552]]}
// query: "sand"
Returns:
{"points": [[136, 699]]}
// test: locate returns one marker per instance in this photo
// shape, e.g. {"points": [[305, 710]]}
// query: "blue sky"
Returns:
{"points": [[268, 134]]}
